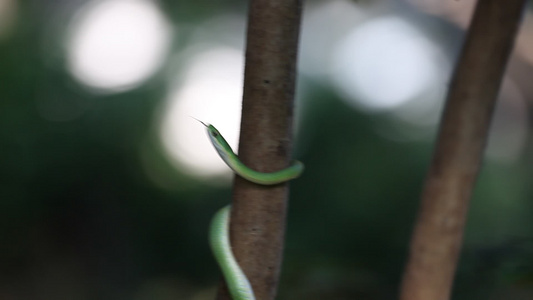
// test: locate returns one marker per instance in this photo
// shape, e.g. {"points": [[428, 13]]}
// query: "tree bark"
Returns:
{"points": [[438, 232], [258, 212]]}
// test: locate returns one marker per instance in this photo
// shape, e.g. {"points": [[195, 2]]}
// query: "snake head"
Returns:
{"points": [[218, 141]]}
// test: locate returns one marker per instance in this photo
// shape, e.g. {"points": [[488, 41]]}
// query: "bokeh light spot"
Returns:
{"points": [[115, 45], [383, 64], [211, 92], [8, 16]]}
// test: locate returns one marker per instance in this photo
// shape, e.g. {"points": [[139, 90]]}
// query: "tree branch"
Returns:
{"points": [[437, 237], [258, 212]]}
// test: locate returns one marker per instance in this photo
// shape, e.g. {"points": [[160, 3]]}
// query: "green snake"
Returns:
{"points": [[238, 285]]}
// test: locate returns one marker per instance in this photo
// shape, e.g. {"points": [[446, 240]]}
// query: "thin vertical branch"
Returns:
{"points": [[258, 212], [437, 238]]}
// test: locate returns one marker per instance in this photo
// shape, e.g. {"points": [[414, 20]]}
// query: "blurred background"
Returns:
{"points": [[108, 185]]}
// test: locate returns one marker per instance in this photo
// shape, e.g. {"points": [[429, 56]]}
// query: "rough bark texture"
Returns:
{"points": [[437, 237], [258, 212]]}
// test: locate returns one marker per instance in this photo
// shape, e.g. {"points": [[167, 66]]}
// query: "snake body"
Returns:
{"points": [[238, 285]]}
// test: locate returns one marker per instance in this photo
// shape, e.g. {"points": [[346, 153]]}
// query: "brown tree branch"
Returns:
{"points": [[437, 237], [258, 212]]}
